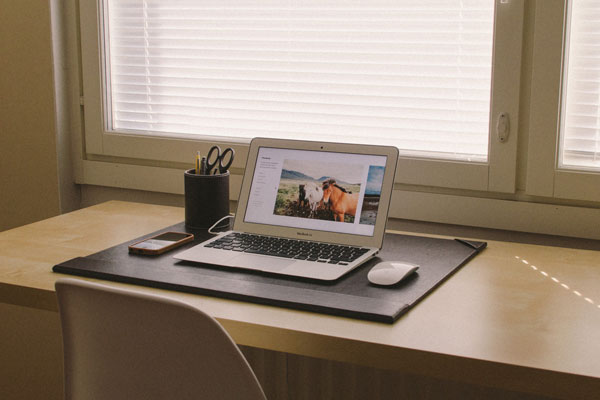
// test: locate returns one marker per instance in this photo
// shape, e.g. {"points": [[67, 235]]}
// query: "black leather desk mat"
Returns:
{"points": [[350, 296]]}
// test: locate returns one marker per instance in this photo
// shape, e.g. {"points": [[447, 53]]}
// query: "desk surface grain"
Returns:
{"points": [[517, 316]]}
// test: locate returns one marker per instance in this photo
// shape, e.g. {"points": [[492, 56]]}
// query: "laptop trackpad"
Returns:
{"points": [[260, 263]]}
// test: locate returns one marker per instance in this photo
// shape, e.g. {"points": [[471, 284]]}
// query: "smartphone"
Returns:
{"points": [[160, 243]]}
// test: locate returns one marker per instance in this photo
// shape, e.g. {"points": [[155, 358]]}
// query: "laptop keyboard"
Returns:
{"points": [[288, 248]]}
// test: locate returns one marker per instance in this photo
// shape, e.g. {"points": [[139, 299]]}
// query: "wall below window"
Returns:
{"points": [[562, 226], [91, 195]]}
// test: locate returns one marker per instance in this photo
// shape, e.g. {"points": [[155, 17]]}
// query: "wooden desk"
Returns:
{"points": [[518, 318]]}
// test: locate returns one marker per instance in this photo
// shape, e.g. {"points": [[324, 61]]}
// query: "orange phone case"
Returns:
{"points": [[152, 252]]}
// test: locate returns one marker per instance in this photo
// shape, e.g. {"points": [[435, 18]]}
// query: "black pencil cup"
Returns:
{"points": [[206, 199]]}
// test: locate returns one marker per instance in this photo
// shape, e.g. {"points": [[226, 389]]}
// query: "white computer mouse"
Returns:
{"points": [[390, 272]]}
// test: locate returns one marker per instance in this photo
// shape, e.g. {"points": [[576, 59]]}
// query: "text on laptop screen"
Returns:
{"points": [[326, 191]]}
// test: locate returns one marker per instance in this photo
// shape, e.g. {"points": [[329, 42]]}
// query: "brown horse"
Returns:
{"points": [[341, 201]]}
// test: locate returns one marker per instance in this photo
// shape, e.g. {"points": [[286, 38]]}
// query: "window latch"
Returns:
{"points": [[502, 127]]}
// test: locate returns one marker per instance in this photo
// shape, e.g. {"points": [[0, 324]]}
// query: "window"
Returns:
{"points": [[431, 77], [580, 123], [564, 123], [416, 75]]}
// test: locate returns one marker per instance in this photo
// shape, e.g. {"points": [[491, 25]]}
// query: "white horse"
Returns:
{"points": [[314, 195]]}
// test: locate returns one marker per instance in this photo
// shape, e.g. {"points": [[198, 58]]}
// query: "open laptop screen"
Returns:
{"points": [[318, 190]]}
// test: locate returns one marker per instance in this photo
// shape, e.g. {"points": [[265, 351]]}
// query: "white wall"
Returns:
{"points": [[34, 143], [28, 160]]}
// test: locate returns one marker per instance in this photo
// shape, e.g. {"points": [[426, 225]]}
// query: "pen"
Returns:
{"points": [[203, 166], [198, 164]]}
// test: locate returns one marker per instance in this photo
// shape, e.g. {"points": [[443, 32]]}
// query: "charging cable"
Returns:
{"points": [[217, 223]]}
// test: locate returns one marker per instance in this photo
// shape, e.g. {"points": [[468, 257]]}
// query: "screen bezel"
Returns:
{"points": [[374, 241]]}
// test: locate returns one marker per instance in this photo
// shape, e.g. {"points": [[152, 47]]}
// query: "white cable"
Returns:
{"points": [[217, 223]]}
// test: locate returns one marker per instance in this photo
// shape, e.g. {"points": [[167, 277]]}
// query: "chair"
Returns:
{"points": [[126, 344]]}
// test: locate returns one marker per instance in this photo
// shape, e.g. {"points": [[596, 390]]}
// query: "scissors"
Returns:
{"points": [[218, 161]]}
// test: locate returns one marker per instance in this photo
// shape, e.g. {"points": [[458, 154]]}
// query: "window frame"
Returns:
{"points": [[544, 177], [496, 175]]}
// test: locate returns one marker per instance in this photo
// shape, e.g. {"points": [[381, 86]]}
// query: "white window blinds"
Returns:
{"points": [[414, 74], [580, 122]]}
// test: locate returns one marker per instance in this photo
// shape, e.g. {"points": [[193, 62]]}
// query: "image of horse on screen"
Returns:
{"points": [[329, 191]]}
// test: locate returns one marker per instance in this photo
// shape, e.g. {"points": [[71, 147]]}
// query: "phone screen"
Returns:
{"points": [[160, 241]]}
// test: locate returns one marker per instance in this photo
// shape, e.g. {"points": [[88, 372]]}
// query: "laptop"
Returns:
{"points": [[306, 209]]}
